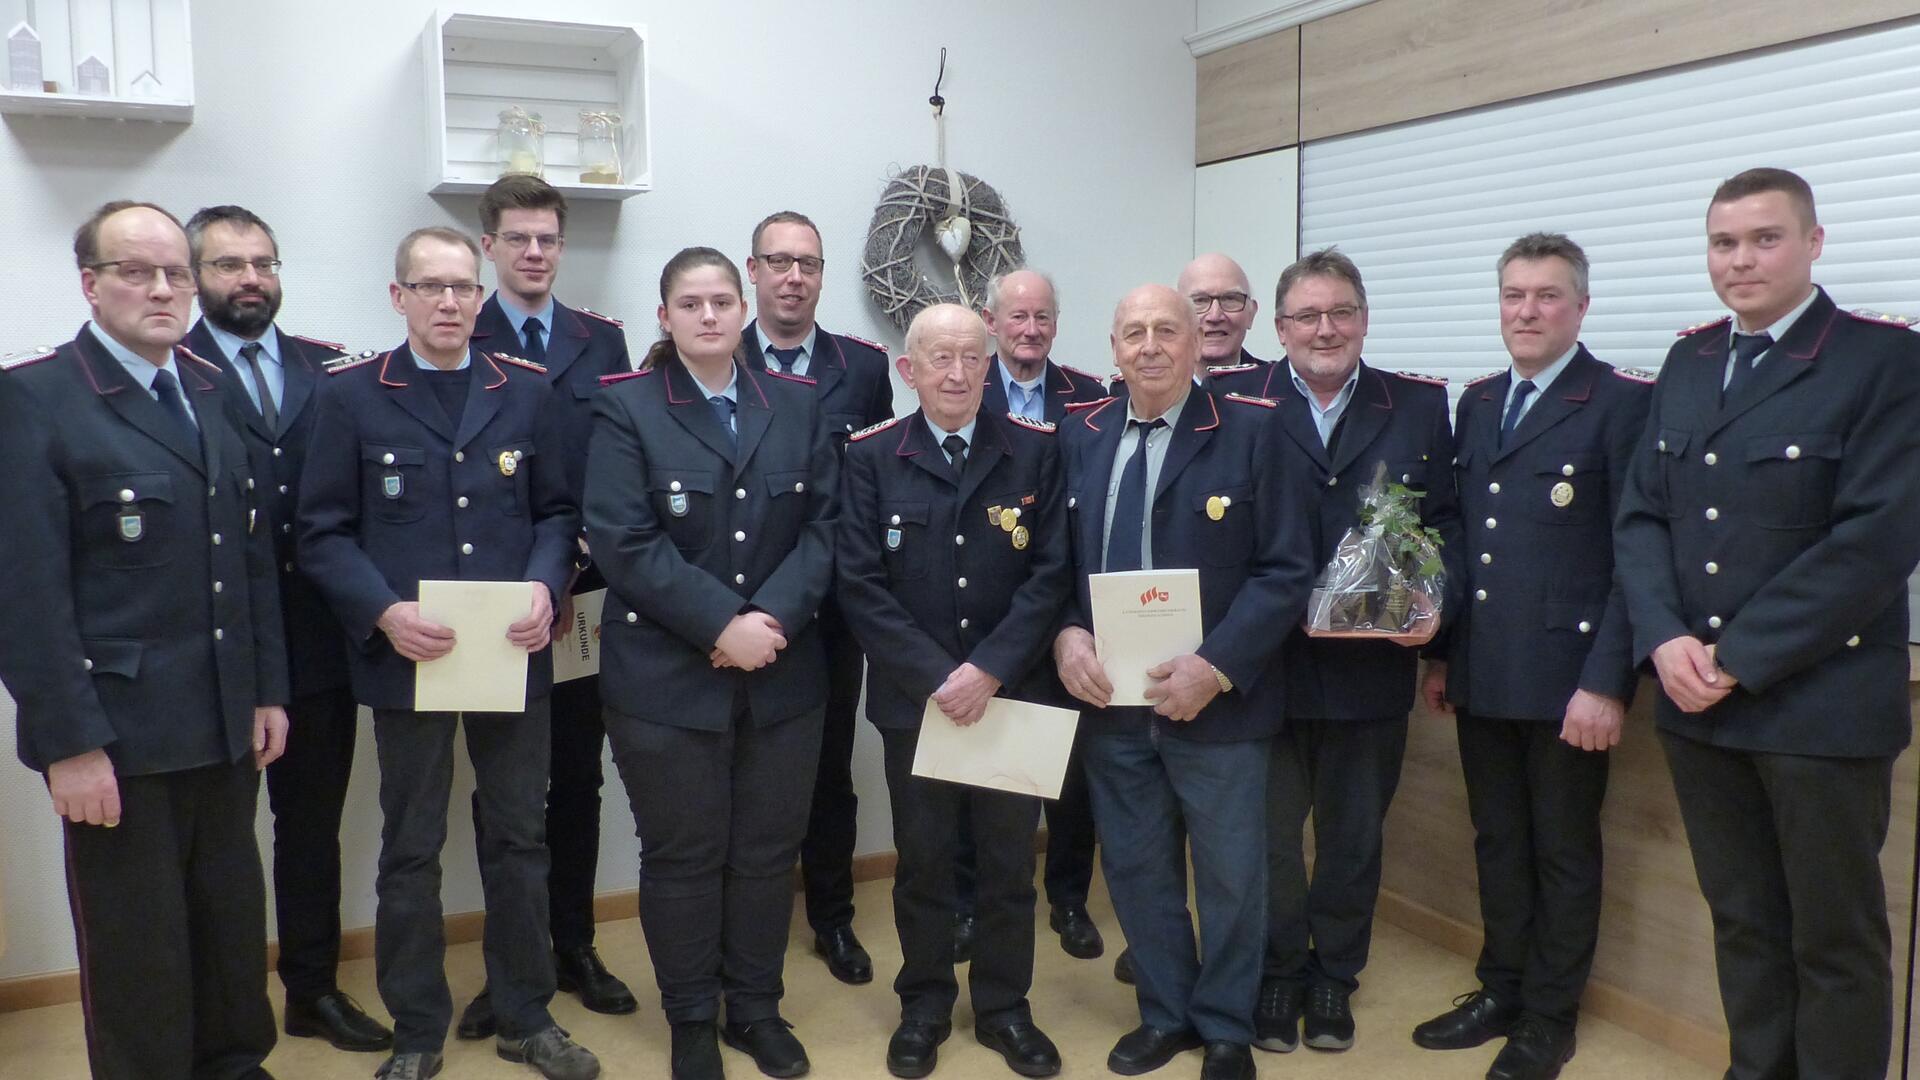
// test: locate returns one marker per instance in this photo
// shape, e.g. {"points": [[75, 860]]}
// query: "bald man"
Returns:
{"points": [[955, 494], [1205, 469]]}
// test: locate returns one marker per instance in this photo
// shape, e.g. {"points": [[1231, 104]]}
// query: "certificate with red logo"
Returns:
{"points": [[1142, 619]]}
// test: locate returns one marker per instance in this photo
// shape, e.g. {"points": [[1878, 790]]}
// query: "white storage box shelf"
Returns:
{"points": [[478, 65], [135, 57]]}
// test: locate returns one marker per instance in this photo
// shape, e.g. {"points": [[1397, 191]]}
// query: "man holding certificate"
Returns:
{"points": [[953, 565], [437, 464], [1177, 477]]}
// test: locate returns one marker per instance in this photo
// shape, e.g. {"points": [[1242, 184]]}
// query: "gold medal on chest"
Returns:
{"points": [[1562, 494]]}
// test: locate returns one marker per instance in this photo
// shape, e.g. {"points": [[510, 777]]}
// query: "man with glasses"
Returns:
{"points": [[1223, 302], [272, 374], [1347, 700], [524, 223], [140, 635], [437, 461], [850, 375]]}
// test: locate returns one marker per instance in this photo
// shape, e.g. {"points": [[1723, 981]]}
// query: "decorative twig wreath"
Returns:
{"points": [[970, 223]]}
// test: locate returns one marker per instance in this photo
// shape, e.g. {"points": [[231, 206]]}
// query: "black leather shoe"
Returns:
{"points": [[1078, 934], [1147, 1048], [962, 938], [1123, 967], [1475, 1019], [915, 1047], [696, 1052], [1536, 1049], [579, 971], [845, 957], [1227, 1061], [1276, 1015], [338, 1019], [1027, 1049], [1329, 1020], [476, 1020], [771, 1044]]}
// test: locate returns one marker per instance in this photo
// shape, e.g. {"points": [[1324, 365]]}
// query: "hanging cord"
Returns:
{"points": [[956, 190]]}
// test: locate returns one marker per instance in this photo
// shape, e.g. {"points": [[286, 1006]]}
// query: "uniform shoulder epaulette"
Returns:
{"points": [[1031, 424], [872, 429], [1476, 381], [1634, 374], [508, 358], [1708, 325], [623, 376], [1082, 406], [1249, 399], [1088, 375], [182, 350], [608, 319], [350, 361], [334, 345], [791, 377], [1419, 377], [874, 345], [25, 357], [1905, 322], [1232, 369]]}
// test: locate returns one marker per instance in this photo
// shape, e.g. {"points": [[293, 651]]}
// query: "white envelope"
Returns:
{"points": [[485, 672], [1017, 746], [1142, 619], [576, 646]]}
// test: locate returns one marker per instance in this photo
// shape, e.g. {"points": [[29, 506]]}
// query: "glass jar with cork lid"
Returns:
{"points": [[521, 138], [600, 147]]}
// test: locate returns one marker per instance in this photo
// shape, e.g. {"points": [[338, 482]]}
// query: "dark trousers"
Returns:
{"points": [[509, 755], [1154, 796], [1070, 839], [926, 814], [1787, 849], [1535, 803], [1343, 773], [826, 852], [719, 815], [573, 809], [307, 788], [170, 918]]}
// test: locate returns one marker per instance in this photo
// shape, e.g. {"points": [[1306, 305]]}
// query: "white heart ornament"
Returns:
{"points": [[953, 235]]}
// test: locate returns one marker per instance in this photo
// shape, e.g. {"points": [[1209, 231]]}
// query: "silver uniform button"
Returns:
{"points": [[1853, 642], [461, 502], [213, 492], [288, 567], [739, 493], [466, 549], [1711, 458], [739, 579], [126, 494], [1491, 523], [1793, 452], [276, 451], [283, 489], [674, 486], [799, 487], [963, 624], [1714, 621], [86, 665], [959, 540], [1493, 488], [219, 586], [633, 616], [1480, 594], [1566, 470], [1712, 568], [216, 539], [1586, 627], [1661, 445], [1073, 501], [739, 536], [219, 634], [287, 528], [1333, 481], [1713, 514], [963, 583], [1486, 558], [459, 455], [895, 520], [386, 459], [1406, 478]]}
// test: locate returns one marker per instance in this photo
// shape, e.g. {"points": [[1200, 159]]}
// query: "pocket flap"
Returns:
{"points": [[903, 513], [1228, 496], [392, 455], [1583, 461], [1672, 441], [787, 482], [1814, 444], [113, 656], [126, 488], [1568, 616], [671, 480]]}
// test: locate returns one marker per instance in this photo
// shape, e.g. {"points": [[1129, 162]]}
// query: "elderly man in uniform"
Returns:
{"points": [[437, 461], [272, 374], [1179, 476], [1538, 668], [140, 635], [953, 494], [1767, 531]]}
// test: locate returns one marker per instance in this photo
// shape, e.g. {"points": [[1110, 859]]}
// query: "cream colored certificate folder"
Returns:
{"points": [[576, 646], [485, 672], [1017, 746], [1142, 619]]}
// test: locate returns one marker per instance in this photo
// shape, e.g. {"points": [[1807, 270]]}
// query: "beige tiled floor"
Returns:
{"points": [[845, 1028]]}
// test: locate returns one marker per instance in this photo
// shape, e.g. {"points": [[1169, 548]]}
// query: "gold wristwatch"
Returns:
{"points": [[1226, 684]]}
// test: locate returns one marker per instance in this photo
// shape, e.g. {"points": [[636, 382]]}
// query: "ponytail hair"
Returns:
{"points": [[685, 260]]}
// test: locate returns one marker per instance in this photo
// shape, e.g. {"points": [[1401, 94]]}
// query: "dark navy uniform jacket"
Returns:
{"points": [[850, 375], [1064, 386], [1544, 614], [139, 611], [1250, 376], [1400, 420], [930, 578], [316, 648], [691, 531], [396, 492], [1254, 562], [1782, 525]]}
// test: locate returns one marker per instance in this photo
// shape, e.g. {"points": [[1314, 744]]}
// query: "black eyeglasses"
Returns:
{"points": [[134, 272], [434, 290], [1232, 303], [780, 262], [233, 267]]}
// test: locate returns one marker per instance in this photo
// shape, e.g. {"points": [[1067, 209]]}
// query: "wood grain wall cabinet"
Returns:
{"points": [[1248, 98], [114, 59]]}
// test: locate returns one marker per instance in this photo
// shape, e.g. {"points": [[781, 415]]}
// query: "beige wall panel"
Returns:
{"points": [[1248, 98], [1655, 954], [1395, 60]]}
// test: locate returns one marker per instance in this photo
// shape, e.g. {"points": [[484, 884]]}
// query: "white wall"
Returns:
{"points": [[1080, 114], [1249, 208]]}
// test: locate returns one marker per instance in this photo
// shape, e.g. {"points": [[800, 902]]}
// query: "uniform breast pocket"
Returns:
{"points": [[1792, 479], [683, 501], [393, 477], [513, 465], [1225, 524], [1671, 447], [1410, 474], [1570, 488], [841, 425], [904, 539], [128, 520]]}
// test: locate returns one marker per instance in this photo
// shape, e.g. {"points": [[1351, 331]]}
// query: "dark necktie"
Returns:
{"points": [[536, 344], [786, 358], [1747, 349], [1521, 393], [166, 386], [250, 352], [1130, 505], [723, 412], [956, 448]]}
